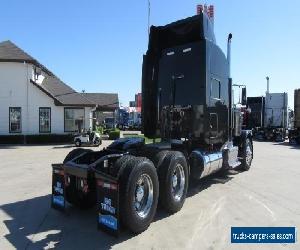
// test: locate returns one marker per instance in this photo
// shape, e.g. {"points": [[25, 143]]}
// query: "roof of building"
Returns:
{"points": [[52, 85], [62, 93], [10, 52], [104, 100]]}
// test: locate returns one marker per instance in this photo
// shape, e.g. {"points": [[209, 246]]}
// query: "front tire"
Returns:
{"points": [[173, 180], [138, 194], [247, 155]]}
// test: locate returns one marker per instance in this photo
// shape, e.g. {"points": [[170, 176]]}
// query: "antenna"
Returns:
{"points": [[149, 8]]}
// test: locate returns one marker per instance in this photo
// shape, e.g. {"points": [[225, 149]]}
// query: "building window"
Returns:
{"points": [[15, 120], [215, 89], [45, 120], [215, 92], [74, 119]]}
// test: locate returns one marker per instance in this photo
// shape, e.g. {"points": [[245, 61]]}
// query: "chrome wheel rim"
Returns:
{"points": [[143, 199], [178, 182], [248, 154]]}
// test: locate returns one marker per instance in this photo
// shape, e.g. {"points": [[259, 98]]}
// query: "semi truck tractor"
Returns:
{"points": [[268, 116], [294, 133], [187, 103]]}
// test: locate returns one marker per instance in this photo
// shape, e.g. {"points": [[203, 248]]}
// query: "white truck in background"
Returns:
{"points": [[276, 110], [268, 116]]}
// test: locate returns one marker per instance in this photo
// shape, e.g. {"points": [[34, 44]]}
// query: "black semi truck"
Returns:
{"points": [[294, 133], [187, 103]]}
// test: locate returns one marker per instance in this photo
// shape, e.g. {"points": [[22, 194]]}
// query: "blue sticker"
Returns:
{"points": [[263, 235], [58, 200], [109, 221]]}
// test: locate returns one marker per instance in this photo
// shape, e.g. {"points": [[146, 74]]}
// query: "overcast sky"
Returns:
{"points": [[98, 45]]}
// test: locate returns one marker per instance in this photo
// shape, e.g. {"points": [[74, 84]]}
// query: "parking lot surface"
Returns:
{"points": [[267, 195]]}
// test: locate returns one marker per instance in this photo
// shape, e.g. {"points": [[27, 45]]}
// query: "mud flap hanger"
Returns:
{"points": [[105, 159]]}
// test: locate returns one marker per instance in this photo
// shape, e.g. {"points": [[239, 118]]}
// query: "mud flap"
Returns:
{"points": [[58, 187], [108, 205]]}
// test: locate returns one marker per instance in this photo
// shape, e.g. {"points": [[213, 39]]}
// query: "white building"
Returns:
{"points": [[34, 101]]}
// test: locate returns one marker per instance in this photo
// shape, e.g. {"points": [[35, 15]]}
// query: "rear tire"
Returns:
{"points": [[120, 165], [247, 155], [74, 153], [159, 158], [173, 180], [138, 194]]}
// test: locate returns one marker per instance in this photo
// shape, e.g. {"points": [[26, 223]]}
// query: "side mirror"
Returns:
{"points": [[244, 96]]}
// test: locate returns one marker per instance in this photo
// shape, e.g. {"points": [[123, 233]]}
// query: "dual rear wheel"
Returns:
{"points": [[139, 191], [173, 180], [142, 186]]}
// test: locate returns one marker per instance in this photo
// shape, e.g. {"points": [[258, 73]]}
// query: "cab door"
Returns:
{"points": [[214, 100]]}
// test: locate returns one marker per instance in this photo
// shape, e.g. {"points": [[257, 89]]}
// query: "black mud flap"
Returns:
{"points": [[58, 187], [108, 205]]}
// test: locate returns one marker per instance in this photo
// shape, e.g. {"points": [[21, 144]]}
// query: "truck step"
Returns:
{"points": [[235, 164]]}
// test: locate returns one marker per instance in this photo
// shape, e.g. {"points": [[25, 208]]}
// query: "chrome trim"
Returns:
{"points": [[211, 162], [178, 182], [248, 154], [143, 198]]}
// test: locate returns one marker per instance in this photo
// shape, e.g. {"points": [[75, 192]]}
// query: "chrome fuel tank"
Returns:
{"points": [[204, 164]]}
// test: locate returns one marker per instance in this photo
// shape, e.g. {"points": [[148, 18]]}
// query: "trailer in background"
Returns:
{"points": [[268, 116], [294, 133], [256, 106]]}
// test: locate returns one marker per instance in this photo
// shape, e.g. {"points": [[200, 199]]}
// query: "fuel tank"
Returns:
{"points": [[204, 164]]}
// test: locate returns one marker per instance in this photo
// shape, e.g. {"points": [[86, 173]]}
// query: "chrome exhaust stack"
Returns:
{"points": [[229, 53]]}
